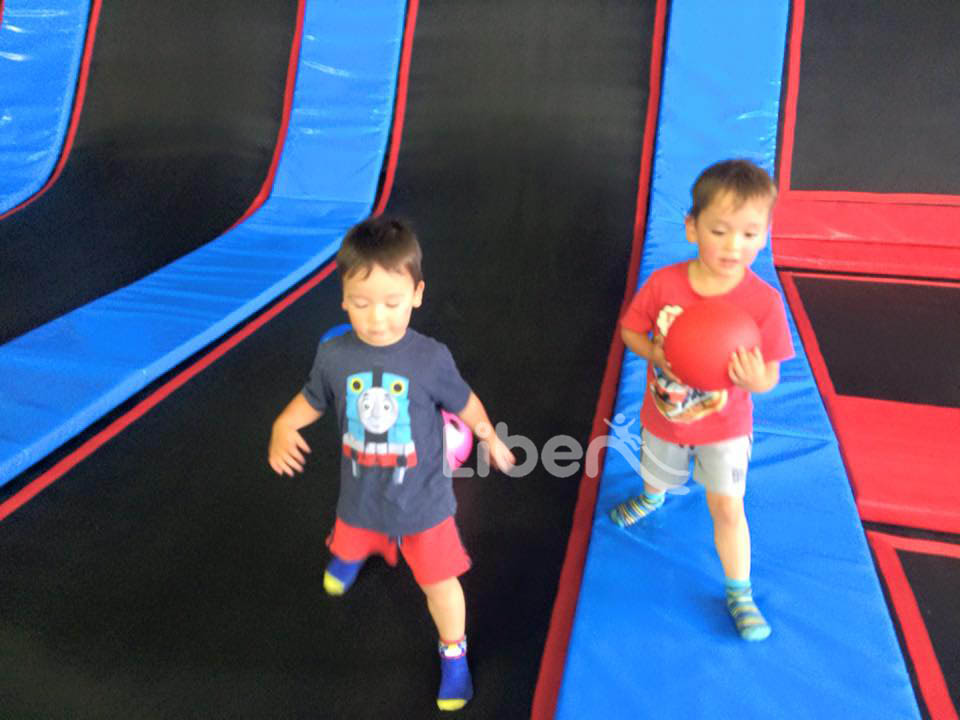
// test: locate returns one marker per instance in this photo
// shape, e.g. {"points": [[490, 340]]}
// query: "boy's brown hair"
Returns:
{"points": [[741, 178], [387, 242]]}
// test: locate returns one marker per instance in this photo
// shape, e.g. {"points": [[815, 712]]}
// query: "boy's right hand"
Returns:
{"points": [[658, 358], [287, 450]]}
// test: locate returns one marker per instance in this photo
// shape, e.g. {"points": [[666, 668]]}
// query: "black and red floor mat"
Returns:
{"points": [[865, 237], [886, 356]]}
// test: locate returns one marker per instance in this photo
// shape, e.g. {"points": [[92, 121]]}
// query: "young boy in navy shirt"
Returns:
{"points": [[728, 222], [386, 384]]}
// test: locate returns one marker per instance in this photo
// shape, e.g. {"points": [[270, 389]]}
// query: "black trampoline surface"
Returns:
{"points": [[173, 575], [877, 102], [887, 340], [179, 125], [935, 581]]}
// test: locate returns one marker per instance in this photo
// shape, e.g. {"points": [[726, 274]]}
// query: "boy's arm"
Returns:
{"points": [[287, 446], [644, 346], [475, 416]]}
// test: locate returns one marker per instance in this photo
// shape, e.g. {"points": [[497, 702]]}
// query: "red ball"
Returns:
{"points": [[702, 339]]}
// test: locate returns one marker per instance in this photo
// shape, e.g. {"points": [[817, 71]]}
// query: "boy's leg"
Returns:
{"points": [[663, 464], [340, 574], [437, 558], [722, 469], [350, 547], [448, 609], [732, 537], [636, 508]]}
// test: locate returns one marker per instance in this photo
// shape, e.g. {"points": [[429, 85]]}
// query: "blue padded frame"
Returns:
{"points": [[41, 49], [651, 636], [58, 379]]}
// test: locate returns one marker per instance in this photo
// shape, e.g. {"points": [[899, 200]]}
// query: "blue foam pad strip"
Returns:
{"points": [[61, 377], [651, 635], [41, 48]]}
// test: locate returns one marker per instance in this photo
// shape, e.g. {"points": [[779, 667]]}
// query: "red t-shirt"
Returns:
{"points": [[687, 416]]}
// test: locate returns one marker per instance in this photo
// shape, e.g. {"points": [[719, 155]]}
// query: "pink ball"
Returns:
{"points": [[702, 339], [457, 440]]}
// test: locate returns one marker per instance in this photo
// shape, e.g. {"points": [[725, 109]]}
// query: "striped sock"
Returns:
{"points": [[750, 623], [630, 511]]}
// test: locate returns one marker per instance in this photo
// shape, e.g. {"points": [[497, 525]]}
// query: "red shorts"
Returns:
{"points": [[433, 555]]}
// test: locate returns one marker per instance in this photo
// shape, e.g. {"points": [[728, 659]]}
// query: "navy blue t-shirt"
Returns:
{"points": [[388, 401]]}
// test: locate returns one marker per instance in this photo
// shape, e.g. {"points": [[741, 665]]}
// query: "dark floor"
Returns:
{"points": [[179, 125], [172, 575]]}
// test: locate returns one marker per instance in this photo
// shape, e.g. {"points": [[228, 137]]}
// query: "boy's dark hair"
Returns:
{"points": [[387, 242], [743, 179]]}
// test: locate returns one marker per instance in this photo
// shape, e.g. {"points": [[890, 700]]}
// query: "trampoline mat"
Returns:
{"points": [[935, 581], [887, 340], [875, 76]]}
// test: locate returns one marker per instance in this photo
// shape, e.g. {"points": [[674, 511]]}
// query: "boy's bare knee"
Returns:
{"points": [[726, 510]]}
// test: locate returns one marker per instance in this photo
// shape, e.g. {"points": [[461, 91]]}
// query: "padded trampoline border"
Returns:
{"points": [[79, 96], [29, 491], [553, 661]]}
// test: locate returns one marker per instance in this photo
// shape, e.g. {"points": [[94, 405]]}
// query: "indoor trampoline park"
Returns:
{"points": [[176, 180]]}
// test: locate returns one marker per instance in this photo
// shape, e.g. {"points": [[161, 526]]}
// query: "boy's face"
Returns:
{"points": [[729, 234], [380, 304]]}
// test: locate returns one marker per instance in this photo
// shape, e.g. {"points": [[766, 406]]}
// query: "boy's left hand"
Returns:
{"points": [[748, 370]]}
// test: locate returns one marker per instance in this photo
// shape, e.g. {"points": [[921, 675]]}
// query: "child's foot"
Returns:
{"points": [[636, 508], [456, 685], [750, 623], [340, 575]]}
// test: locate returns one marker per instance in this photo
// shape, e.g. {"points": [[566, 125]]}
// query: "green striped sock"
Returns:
{"points": [[630, 511], [750, 623]]}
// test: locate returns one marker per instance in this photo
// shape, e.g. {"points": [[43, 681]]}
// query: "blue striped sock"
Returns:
{"points": [[750, 623]]}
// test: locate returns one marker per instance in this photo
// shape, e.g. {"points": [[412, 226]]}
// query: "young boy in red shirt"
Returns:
{"points": [[729, 220]]}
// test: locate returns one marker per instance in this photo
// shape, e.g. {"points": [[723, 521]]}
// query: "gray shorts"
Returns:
{"points": [[720, 467]]}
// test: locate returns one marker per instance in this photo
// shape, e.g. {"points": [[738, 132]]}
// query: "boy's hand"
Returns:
{"points": [[749, 371], [287, 450], [501, 457], [658, 358]]}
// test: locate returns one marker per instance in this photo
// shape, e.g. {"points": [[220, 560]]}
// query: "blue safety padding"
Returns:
{"points": [[651, 635], [61, 377], [41, 48]]}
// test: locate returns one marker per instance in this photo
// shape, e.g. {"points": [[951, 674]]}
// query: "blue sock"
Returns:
{"points": [[636, 508], [750, 623], [340, 575], [456, 685]]}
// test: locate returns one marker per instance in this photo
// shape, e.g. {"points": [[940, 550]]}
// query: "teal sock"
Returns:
{"points": [[630, 511], [750, 623]]}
